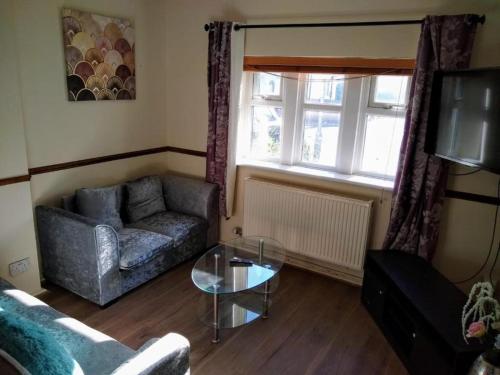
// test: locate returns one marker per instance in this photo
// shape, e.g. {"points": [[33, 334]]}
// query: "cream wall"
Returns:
{"points": [[13, 160], [17, 237], [40, 127], [464, 241], [58, 130], [377, 41]]}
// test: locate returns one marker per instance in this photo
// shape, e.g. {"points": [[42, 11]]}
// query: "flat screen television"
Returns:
{"points": [[464, 117]]}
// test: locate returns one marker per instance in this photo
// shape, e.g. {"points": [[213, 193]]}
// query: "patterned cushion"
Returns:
{"points": [[173, 224], [145, 198], [101, 204], [139, 246]]}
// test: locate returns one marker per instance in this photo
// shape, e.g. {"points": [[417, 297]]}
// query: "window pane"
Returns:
{"points": [[266, 84], [390, 90], [266, 132], [321, 134], [324, 89], [382, 143]]}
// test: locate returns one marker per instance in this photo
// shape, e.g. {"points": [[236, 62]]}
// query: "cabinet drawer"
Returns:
{"points": [[373, 294]]}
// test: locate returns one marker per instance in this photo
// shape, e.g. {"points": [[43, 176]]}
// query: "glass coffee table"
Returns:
{"points": [[239, 276]]}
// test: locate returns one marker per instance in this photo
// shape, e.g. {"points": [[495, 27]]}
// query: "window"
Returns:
{"points": [[266, 116], [337, 122], [323, 94]]}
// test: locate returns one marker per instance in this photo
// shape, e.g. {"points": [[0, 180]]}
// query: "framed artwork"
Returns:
{"points": [[100, 56]]}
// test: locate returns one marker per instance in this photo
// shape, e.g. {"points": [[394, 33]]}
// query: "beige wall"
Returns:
{"points": [[17, 236], [58, 130], [40, 127], [12, 142], [464, 241], [377, 41]]}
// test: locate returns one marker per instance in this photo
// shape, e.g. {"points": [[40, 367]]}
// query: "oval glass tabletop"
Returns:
{"points": [[238, 265]]}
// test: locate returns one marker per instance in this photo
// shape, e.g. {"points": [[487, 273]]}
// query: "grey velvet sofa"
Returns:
{"points": [[36, 338], [100, 261]]}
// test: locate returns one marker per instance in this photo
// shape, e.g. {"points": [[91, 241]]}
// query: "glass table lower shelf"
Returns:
{"points": [[234, 309]]}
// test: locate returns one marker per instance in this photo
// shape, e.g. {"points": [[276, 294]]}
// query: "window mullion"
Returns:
{"points": [[348, 127], [365, 92], [244, 123], [289, 109], [299, 117]]}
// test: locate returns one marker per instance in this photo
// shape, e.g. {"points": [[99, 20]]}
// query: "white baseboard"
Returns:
{"points": [[324, 268]]}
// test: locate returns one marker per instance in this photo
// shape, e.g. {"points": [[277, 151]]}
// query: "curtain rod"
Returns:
{"points": [[480, 19]]}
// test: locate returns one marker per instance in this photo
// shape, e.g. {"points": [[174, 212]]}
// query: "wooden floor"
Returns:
{"points": [[316, 326]]}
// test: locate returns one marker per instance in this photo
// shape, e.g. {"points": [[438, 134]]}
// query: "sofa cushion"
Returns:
{"points": [[68, 202], [33, 347], [144, 198], [138, 246], [173, 224], [101, 204]]}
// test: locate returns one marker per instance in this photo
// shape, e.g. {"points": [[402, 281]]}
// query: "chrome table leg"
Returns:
{"points": [[216, 337], [265, 310]]}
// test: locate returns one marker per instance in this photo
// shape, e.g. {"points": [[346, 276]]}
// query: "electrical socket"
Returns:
{"points": [[15, 268]]}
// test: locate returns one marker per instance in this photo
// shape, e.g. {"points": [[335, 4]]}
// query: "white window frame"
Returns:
{"points": [[271, 100], [302, 107], [372, 103], [352, 128]]}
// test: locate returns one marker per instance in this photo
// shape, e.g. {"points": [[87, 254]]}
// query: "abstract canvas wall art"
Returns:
{"points": [[100, 56]]}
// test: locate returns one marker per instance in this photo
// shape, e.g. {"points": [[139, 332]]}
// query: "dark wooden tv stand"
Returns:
{"points": [[419, 312]]}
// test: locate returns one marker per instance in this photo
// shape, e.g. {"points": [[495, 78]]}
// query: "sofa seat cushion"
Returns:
{"points": [[173, 224], [138, 246]]}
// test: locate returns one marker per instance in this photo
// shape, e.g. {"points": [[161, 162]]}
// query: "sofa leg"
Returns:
{"points": [[106, 305]]}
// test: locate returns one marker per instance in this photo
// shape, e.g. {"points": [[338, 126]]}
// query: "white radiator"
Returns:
{"points": [[318, 226]]}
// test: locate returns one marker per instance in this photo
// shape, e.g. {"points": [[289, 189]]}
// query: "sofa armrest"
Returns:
{"points": [[79, 254], [196, 197], [168, 355]]}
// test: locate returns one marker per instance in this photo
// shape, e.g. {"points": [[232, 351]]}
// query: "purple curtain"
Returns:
{"points": [[219, 73], [445, 43]]}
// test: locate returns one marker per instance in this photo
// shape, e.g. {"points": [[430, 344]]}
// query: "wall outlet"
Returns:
{"points": [[18, 267]]}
